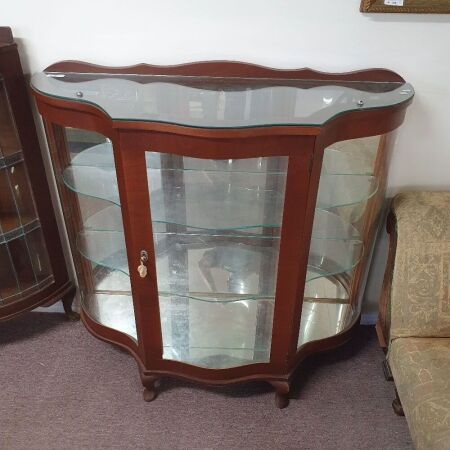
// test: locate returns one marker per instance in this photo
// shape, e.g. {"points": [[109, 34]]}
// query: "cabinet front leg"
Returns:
{"points": [[149, 388], [282, 389], [67, 302]]}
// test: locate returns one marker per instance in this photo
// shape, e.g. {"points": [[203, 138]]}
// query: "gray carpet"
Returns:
{"points": [[60, 388]]}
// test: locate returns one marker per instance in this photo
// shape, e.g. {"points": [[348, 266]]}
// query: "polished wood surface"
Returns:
{"points": [[383, 323], [226, 69], [303, 145]]}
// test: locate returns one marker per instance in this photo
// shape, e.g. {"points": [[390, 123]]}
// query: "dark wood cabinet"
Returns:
{"points": [[221, 214], [32, 267]]}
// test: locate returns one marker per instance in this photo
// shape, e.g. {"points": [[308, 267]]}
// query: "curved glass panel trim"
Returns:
{"points": [[219, 103], [217, 268]]}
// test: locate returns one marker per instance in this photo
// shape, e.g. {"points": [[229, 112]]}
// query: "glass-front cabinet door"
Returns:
{"points": [[24, 263], [216, 233]]}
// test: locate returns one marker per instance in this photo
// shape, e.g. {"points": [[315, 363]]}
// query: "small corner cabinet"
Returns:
{"points": [[32, 266], [221, 214]]}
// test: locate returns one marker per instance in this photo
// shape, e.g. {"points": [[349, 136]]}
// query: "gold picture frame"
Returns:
{"points": [[409, 6]]}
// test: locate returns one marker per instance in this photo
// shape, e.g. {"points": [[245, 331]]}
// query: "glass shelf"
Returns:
{"points": [[10, 160], [9, 222], [336, 161], [25, 267], [327, 224], [214, 102], [218, 335], [218, 200], [218, 268]]}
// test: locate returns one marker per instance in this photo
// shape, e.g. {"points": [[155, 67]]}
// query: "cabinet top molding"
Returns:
{"points": [[221, 94]]}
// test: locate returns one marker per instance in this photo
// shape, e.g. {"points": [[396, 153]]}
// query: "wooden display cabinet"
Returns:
{"points": [[32, 266], [221, 214]]}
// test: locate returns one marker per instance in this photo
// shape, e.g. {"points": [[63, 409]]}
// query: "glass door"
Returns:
{"points": [[216, 232], [24, 263]]}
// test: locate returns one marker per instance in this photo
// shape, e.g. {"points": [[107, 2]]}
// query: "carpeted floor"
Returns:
{"points": [[62, 389]]}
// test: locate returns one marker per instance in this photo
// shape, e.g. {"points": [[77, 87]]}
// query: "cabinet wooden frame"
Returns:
{"points": [[409, 6], [17, 89], [304, 145]]}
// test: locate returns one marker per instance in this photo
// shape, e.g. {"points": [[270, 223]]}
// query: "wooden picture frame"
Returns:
{"points": [[409, 6]]}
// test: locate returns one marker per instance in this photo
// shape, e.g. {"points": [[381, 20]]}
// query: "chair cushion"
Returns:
{"points": [[421, 370], [420, 295]]}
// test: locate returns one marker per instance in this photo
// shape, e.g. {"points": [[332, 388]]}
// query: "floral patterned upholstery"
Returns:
{"points": [[419, 348], [420, 296], [421, 370]]}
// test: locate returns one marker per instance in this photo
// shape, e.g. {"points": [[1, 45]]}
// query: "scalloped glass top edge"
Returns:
{"points": [[210, 104]]}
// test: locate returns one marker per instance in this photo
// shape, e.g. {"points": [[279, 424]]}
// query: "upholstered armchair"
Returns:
{"points": [[414, 321]]}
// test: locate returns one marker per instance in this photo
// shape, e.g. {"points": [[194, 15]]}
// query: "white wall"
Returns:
{"points": [[328, 35]]}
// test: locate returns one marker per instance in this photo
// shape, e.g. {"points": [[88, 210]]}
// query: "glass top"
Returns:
{"points": [[213, 102]]}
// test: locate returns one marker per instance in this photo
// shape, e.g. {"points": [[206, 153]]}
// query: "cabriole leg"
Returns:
{"points": [[282, 389], [149, 388]]}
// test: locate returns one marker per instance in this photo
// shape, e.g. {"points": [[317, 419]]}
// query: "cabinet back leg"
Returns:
{"points": [[67, 302]]}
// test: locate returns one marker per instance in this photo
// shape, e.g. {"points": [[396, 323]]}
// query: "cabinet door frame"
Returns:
{"points": [[299, 204]]}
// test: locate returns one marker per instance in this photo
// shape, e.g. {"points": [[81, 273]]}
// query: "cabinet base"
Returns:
{"points": [[281, 382], [48, 297]]}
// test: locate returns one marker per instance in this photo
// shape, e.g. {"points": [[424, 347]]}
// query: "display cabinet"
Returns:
{"points": [[221, 214], [32, 267]]}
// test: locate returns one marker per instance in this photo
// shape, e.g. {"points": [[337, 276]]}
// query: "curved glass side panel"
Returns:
{"points": [[332, 297], [104, 287], [213, 102]]}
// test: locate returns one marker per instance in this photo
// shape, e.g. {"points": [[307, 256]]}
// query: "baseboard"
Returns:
{"points": [[369, 319], [57, 307]]}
